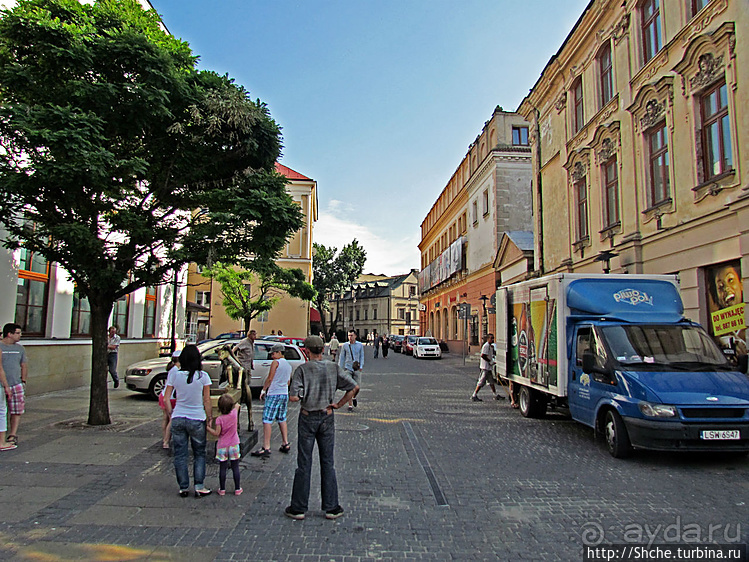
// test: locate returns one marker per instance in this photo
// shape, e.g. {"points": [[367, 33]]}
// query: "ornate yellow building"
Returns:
{"points": [[640, 141], [289, 315]]}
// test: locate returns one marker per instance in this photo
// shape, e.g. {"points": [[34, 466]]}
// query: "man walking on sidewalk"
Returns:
{"points": [[16, 371], [351, 358], [487, 369], [314, 384], [113, 350]]}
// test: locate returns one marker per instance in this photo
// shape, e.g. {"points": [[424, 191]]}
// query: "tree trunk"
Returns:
{"points": [[98, 406]]}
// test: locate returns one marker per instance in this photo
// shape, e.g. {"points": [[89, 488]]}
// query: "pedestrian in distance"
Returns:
{"points": [[314, 385], [276, 395], [189, 418], [15, 366], [385, 346], [4, 444], [486, 366], [377, 343], [113, 350], [227, 448], [166, 422], [351, 359], [334, 345]]}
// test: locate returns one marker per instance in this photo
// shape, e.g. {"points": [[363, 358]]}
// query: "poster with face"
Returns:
{"points": [[726, 307]]}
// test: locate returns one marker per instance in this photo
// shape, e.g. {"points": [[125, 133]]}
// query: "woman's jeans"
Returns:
{"points": [[194, 430], [315, 427]]}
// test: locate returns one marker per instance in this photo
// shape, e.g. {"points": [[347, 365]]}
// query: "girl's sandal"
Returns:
{"points": [[285, 448], [12, 439]]}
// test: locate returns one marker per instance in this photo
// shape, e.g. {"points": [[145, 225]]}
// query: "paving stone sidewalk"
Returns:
{"points": [[424, 474]]}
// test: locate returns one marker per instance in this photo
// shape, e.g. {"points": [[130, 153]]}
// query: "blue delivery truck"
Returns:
{"points": [[619, 353]]}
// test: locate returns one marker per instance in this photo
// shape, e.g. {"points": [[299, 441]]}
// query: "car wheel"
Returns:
{"points": [[617, 439], [532, 403], [157, 385]]}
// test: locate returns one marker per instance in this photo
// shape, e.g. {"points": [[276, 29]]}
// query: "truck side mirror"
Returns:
{"points": [[589, 363], [743, 361]]}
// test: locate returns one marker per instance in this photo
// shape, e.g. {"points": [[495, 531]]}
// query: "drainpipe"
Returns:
{"points": [[539, 192]]}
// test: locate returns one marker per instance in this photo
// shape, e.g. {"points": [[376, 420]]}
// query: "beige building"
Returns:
{"points": [[488, 194], [378, 304], [290, 315], [640, 141]]}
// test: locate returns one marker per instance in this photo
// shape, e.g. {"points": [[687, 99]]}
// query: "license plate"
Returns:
{"points": [[731, 434]]}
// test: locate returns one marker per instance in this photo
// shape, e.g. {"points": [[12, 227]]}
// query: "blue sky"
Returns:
{"points": [[378, 99]]}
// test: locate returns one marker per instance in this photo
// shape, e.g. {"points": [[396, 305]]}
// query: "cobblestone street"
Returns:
{"points": [[424, 473]]}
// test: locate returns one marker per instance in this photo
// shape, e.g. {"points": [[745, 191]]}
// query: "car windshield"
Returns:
{"points": [[427, 341], [680, 346]]}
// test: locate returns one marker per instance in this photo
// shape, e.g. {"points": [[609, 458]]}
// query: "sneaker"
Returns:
{"points": [[476, 398], [350, 408], [184, 493], [202, 492], [223, 385], [238, 492], [117, 383], [221, 492], [498, 397], [294, 514], [356, 402], [334, 513]]}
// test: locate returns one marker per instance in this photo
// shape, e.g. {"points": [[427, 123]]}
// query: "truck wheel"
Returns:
{"points": [[616, 435], [157, 385], [525, 399]]}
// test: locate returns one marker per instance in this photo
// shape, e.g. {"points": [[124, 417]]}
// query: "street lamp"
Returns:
{"points": [[484, 318]]}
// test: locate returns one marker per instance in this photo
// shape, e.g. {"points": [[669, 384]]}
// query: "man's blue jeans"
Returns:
{"points": [[184, 429], [112, 364], [315, 427]]}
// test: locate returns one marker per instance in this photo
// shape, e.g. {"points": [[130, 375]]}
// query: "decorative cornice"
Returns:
{"points": [[710, 69], [654, 111], [621, 29], [561, 103]]}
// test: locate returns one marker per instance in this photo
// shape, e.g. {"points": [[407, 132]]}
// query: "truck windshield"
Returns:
{"points": [[676, 346]]}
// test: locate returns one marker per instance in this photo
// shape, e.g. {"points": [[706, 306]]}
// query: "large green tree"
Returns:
{"points": [[122, 162], [332, 272], [247, 294]]}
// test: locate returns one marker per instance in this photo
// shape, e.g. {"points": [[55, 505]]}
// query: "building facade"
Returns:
{"points": [[639, 138], [488, 194], [290, 315], [378, 304]]}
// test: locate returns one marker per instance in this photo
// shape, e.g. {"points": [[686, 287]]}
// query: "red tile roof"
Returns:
{"points": [[289, 173]]}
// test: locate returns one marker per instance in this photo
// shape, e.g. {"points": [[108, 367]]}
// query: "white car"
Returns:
{"points": [[427, 347], [149, 376]]}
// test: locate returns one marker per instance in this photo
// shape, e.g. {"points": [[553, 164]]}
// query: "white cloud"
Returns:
{"points": [[333, 228]]}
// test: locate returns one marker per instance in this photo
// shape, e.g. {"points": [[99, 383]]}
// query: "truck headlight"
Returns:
{"points": [[657, 410]]}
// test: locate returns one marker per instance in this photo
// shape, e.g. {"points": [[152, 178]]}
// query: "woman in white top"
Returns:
{"points": [[193, 409]]}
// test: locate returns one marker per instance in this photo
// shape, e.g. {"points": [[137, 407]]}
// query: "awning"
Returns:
{"points": [[195, 307], [314, 315]]}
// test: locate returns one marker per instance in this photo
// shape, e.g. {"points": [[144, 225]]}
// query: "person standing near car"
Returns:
{"points": [[113, 350], [351, 358], [314, 385], [377, 342]]}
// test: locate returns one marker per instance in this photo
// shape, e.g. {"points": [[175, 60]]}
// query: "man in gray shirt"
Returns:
{"points": [[314, 384], [16, 371], [351, 358]]}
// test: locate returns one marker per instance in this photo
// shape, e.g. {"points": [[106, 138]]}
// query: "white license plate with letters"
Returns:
{"points": [[721, 435]]}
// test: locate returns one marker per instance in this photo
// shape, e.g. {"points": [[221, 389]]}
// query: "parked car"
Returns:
{"points": [[427, 347], [149, 376], [225, 336], [396, 343], [408, 345]]}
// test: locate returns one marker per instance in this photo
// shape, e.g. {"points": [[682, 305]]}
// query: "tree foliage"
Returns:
{"points": [[333, 272], [110, 142], [248, 294]]}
